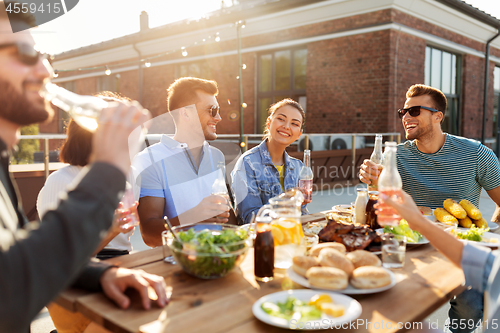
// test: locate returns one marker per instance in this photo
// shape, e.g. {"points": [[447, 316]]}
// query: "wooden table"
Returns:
{"points": [[425, 283]]}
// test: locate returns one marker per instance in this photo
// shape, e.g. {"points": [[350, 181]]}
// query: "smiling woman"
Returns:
{"points": [[267, 171]]}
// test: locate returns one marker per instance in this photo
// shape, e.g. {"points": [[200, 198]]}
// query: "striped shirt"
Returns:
{"points": [[458, 171]]}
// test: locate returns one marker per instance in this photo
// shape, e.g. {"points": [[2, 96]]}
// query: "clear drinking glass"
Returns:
{"points": [[393, 251], [128, 202]]}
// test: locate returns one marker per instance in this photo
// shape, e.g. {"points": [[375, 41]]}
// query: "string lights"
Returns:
{"points": [[146, 61]]}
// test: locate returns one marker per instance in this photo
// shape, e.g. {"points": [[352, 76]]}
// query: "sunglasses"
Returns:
{"points": [[26, 53], [414, 111], [214, 110]]}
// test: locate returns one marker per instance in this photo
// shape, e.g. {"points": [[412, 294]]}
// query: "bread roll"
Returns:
{"points": [[327, 277], [302, 263], [363, 258], [370, 277], [330, 245], [332, 258], [425, 210]]}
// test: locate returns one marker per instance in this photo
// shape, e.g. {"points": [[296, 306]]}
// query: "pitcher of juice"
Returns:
{"points": [[286, 227]]}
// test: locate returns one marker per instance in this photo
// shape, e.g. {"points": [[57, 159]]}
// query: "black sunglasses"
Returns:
{"points": [[414, 111], [214, 110], [26, 53]]}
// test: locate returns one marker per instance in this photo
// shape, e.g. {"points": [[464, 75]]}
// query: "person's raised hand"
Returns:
{"points": [[111, 142], [369, 172], [207, 211], [115, 280]]}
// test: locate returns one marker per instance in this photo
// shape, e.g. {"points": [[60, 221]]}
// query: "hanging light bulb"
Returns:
{"points": [[147, 64], [243, 66], [217, 38], [56, 73], [184, 52], [108, 71], [244, 105], [238, 77]]}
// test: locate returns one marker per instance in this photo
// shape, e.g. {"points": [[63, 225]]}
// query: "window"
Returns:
{"points": [[281, 74], [496, 103], [195, 69], [442, 72]]}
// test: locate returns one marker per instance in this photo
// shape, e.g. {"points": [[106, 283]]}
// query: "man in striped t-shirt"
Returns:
{"points": [[435, 166]]}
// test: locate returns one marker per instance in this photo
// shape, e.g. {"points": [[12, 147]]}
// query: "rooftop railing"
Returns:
{"points": [[306, 139]]}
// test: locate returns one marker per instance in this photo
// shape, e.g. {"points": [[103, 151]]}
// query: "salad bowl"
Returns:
{"points": [[208, 250]]}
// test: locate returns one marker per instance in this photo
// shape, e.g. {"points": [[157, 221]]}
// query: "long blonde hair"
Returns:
{"points": [[273, 108]]}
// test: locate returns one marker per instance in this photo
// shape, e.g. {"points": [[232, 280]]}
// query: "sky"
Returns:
{"points": [[94, 21]]}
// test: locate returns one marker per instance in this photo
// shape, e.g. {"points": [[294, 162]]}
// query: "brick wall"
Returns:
{"points": [[354, 84]]}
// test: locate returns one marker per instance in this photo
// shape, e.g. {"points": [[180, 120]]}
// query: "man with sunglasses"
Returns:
{"points": [[33, 267], [435, 166], [176, 175]]}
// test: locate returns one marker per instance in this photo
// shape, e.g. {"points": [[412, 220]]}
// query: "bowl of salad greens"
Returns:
{"points": [[208, 250]]}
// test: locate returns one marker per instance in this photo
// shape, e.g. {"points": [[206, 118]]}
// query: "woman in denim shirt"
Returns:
{"points": [[267, 171]]}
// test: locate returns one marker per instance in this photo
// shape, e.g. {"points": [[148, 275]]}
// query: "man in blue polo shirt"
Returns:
{"points": [[435, 166], [176, 175]]}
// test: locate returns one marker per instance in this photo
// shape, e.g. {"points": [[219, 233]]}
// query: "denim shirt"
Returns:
{"points": [[255, 180]]}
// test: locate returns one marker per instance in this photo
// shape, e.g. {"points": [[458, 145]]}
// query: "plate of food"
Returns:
{"points": [[478, 236], [462, 213], [306, 309], [389, 279], [329, 267], [313, 227], [412, 237]]}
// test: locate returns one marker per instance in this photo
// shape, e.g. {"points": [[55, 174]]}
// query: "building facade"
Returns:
{"points": [[348, 62]]}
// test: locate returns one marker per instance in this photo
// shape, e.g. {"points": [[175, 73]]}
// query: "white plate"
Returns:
{"points": [[491, 225], [420, 242], [350, 290], [487, 235], [352, 310]]}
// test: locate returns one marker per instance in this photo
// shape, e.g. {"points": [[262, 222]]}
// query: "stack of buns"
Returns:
{"points": [[328, 266]]}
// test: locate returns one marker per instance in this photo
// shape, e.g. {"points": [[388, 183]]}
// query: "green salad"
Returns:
{"points": [[473, 234], [292, 308], [209, 253], [404, 230]]}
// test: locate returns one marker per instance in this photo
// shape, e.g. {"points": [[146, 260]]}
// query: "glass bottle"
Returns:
{"points": [[83, 109], [371, 217], [306, 178], [376, 157], [390, 185], [264, 250], [360, 206], [219, 186]]}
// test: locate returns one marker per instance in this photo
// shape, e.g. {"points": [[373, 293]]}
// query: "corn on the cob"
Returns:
{"points": [[443, 216], [465, 223], [481, 223], [472, 211], [454, 209]]}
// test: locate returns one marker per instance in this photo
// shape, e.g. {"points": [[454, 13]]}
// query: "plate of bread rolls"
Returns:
{"points": [[328, 267]]}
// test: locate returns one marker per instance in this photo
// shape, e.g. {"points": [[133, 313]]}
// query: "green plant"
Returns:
{"points": [[26, 147]]}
